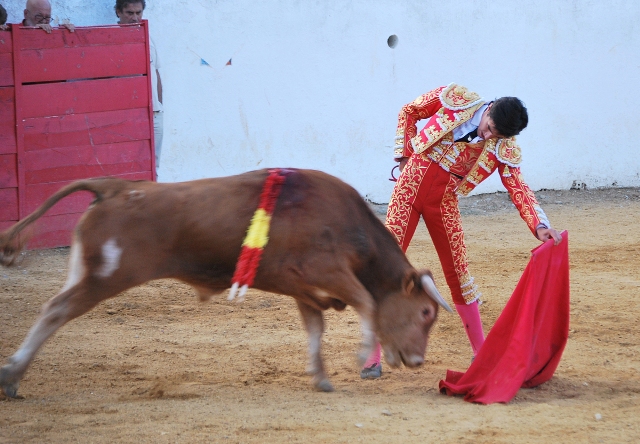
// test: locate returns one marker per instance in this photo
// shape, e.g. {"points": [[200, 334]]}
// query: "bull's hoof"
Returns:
{"points": [[9, 388], [324, 386], [372, 372]]}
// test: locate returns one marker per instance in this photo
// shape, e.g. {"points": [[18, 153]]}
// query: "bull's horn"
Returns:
{"points": [[430, 287]]}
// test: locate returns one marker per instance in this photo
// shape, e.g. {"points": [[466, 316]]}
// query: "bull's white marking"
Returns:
{"points": [[22, 355], [111, 254], [368, 338], [314, 332], [136, 194], [45, 327], [76, 265], [321, 293], [367, 328]]}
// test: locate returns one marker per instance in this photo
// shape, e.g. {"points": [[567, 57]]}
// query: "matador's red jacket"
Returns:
{"points": [[446, 108]]}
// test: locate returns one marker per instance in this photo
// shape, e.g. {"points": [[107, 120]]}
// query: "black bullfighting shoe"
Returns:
{"points": [[372, 372]]}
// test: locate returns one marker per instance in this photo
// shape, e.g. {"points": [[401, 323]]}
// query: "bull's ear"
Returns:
{"points": [[411, 279], [427, 284]]}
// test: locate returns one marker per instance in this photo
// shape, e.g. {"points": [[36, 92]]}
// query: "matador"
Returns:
{"points": [[464, 141]]}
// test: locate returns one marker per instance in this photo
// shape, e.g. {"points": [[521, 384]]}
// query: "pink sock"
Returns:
{"points": [[374, 357], [470, 316]]}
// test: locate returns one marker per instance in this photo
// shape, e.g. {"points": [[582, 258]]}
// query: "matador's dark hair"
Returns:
{"points": [[120, 4], [509, 116]]}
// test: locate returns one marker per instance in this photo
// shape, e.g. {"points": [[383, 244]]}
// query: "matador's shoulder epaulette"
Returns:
{"points": [[456, 97], [508, 152]]}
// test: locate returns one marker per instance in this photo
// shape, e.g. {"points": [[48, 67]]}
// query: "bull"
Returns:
{"points": [[326, 249]]}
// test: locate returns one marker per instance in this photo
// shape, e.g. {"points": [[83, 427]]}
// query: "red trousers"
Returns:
{"points": [[425, 189]]}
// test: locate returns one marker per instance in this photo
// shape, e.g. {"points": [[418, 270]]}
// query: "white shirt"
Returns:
{"points": [[155, 64], [470, 125]]}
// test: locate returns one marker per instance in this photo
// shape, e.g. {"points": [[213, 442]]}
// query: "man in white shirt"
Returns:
{"points": [[130, 11]]}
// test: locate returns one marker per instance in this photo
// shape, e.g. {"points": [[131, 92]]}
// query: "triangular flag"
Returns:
{"points": [[204, 62], [228, 63]]}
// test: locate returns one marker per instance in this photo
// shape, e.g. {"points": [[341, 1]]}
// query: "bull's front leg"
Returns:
{"points": [[367, 328], [314, 324]]}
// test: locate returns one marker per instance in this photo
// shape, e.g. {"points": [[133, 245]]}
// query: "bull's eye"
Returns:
{"points": [[426, 312]]}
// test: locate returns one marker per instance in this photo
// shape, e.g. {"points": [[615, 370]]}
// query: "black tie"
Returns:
{"points": [[469, 136]]}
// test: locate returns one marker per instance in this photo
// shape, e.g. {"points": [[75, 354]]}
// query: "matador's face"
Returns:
{"points": [[487, 129]]}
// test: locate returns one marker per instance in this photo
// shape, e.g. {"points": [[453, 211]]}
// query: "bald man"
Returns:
{"points": [[38, 13]]}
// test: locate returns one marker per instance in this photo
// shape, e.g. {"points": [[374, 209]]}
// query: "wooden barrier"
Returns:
{"points": [[72, 106]]}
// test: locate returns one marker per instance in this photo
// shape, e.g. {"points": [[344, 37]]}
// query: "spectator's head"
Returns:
{"points": [[129, 11], [509, 116], [3, 15], [37, 12]]}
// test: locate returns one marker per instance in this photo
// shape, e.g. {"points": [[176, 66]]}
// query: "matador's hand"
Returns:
{"points": [[402, 163], [544, 234]]}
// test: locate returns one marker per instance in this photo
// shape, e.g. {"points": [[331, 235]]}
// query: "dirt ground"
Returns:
{"points": [[156, 365]]}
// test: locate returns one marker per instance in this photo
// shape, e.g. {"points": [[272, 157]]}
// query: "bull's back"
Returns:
{"points": [[175, 226], [196, 228]]}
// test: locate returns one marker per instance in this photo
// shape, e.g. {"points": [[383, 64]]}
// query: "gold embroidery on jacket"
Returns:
{"points": [[456, 97], [508, 152], [441, 124], [408, 110]]}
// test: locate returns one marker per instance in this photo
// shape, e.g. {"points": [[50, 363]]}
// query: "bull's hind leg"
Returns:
{"points": [[80, 294], [314, 324], [56, 312]]}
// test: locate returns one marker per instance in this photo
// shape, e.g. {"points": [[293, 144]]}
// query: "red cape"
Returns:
{"points": [[525, 345]]}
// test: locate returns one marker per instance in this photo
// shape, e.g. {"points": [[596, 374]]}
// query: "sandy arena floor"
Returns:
{"points": [[155, 365]]}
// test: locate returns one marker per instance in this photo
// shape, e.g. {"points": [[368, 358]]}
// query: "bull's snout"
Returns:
{"points": [[413, 361], [395, 358]]}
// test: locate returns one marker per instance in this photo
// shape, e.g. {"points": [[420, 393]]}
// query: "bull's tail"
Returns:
{"points": [[11, 243]]}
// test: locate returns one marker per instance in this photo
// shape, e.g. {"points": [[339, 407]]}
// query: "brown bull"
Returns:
{"points": [[326, 249]]}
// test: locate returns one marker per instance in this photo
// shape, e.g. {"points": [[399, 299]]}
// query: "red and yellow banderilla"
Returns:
{"points": [[257, 236]]}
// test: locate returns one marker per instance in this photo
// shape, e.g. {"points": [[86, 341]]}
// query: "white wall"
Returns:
{"points": [[313, 83]]}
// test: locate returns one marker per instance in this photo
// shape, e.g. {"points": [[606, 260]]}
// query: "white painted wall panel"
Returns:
{"points": [[313, 83]]}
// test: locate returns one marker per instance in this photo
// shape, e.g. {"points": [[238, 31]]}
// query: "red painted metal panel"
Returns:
{"points": [[4, 224], [87, 161], [88, 155], [46, 65], [8, 170], [6, 43], [86, 171], [8, 204], [7, 121], [86, 129], [74, 203], [83, 36], [6, 69], [53, 231], [84, 96], [15, 35], [74, 126]]}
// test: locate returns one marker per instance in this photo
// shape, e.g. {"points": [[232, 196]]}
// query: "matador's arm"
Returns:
{"points": [[423, 107]]}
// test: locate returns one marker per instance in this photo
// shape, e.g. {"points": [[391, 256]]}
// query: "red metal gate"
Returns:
{"points": [[72, 106]]}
